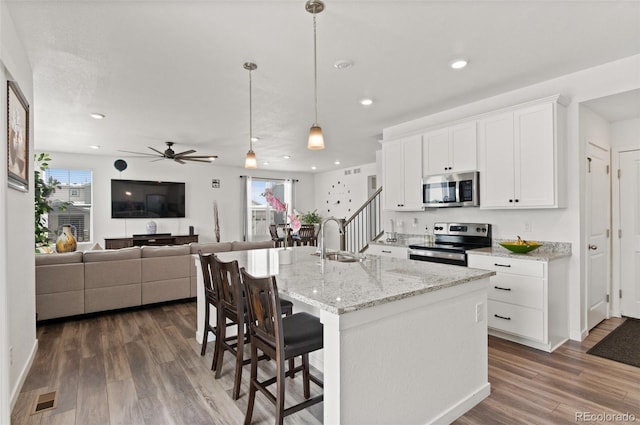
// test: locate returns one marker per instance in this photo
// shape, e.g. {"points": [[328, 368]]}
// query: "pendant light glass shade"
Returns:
{"points": [[250, 160], [316, 140]]}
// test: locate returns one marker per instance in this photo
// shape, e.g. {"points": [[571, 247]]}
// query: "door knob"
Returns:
{"points": [[593, 247]]}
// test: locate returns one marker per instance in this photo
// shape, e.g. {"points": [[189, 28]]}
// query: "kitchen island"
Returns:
{"points": [[404, 341]]}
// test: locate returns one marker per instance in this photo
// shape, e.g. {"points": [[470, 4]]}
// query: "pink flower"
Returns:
{"points": [[295, 223], [275, 203]]}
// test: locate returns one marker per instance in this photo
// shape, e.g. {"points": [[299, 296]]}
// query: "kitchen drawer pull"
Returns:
{"points": [[501, 265], [502, 289], [386, 252], [502, 317]]}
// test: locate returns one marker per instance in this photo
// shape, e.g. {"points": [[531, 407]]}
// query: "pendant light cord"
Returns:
{"points": [[250, 114], [315, 69]]}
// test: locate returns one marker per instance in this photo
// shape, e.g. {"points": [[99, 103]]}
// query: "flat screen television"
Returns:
{"points": [[147, 199]]}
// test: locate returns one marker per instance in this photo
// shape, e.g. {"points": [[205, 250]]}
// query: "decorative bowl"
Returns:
{"points": [[521, 248]]}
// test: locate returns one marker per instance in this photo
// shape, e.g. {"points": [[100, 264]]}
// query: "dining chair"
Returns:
{"points": [[280, 339]]}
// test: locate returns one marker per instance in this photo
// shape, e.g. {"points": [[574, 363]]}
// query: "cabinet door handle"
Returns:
{"points": [[501, 265], [386, 252], [502, 289], [502, 317]]}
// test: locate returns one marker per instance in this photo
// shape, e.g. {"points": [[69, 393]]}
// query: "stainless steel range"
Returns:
{"points": [[451, 243]]}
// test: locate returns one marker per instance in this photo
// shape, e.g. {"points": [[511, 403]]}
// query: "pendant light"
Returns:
{"points": [[316, 140], [250, 160]]}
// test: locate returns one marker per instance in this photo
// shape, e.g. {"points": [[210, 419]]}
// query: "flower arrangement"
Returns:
{"points": [[281, 207]]}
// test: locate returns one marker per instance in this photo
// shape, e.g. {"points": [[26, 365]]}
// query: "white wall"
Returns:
{"points": [[199, 195], [564, 225], [339, 193], [625, 133], [17, 280]]}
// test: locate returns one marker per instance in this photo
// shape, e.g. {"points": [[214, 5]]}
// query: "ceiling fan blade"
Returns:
{"points": [[190, 158], [185, 152], [199, 156], [138, 153], [156, 160], [179, 160], [156, 150]]}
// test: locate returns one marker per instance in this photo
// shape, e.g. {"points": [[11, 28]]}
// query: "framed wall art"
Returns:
{"points": [[17, 138]]}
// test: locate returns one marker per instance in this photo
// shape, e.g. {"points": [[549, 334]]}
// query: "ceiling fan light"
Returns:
{"points": [[316, 140], [250, 161]]}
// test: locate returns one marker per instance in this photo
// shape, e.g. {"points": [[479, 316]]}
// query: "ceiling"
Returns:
{"points": [[173, 70]]}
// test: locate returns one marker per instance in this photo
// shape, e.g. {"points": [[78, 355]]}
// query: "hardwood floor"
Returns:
{"points": [[144, 367]]}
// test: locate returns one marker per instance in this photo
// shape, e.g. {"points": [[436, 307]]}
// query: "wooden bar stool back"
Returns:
{"points": [[279, 338], [232, 311], [211, 300]]}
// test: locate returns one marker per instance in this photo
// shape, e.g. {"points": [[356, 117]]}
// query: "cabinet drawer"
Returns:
{"points": [[388, 251], [517, 320], [507, 265], [520, 290]]}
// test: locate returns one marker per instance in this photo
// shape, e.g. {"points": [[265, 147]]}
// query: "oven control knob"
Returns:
{"points": [[478, 229]]}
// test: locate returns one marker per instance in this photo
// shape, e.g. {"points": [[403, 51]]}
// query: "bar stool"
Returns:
{"points": [[280, 339], [232, 311], [210, 300]]}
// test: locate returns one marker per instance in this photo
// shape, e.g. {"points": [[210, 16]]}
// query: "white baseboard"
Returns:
{"points": [[15, 392], [463, 406]]}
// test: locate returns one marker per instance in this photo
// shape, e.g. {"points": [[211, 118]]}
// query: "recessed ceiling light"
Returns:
{"points": [[366, 102], [343, 64], [286, 156], [97, 116], [459, 63], [212, 158], [94, 147], [337, 162], [314, 167], [255, 139], [265, 163]]}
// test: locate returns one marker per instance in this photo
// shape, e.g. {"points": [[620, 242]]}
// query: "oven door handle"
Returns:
{"points": [[427, 253]]}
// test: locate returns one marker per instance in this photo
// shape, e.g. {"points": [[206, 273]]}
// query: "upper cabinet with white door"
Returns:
{"points": [[402, 174], [450, 149], [521, 156]]}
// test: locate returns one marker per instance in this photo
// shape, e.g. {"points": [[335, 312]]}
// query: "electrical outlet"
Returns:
{"points": [[415, 222], [479, 312], [527, 226]]}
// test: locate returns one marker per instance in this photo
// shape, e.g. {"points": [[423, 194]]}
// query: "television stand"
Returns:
{"points": [[158, 239]]}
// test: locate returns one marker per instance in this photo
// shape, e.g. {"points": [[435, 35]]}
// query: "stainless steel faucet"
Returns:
{"points": [[322, 226]]}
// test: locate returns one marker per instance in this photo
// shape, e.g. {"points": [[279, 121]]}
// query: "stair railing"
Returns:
{"points": [[364, 225]]}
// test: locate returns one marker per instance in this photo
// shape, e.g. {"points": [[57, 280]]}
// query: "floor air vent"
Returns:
{"points": [[45, 402]]}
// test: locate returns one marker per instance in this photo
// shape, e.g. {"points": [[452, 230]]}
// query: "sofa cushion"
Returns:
{"points": [[164, 251], [61, 258], [59, 278], [100, 274], [112, 255], [242, 246], [209, 247], [60, 304], [101, 299]]}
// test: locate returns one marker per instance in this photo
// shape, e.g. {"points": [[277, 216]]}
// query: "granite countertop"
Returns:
{"points": [[549, 251], [344, 287]]}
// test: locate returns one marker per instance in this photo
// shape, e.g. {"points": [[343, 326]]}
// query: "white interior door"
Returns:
{"points": [[598, 247], [630, 227]]}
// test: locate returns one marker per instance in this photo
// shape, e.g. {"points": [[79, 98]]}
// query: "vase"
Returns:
{"points": [[66, 242], [152, 228], [285, 255]]}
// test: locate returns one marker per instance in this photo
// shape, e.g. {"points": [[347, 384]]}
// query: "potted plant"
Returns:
{"points": [[311, 217], [43, 205]]}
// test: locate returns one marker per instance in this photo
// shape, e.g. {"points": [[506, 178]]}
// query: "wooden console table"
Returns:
{"points": [[159, 239]]}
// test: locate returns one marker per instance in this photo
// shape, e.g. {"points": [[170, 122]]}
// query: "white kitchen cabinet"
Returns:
{"points": [[450, 150], [521, 157], [527, 300], [402, 174], [388, 251]]}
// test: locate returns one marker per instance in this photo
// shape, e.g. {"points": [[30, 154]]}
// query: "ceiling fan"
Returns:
{"points": [[179, 157]]}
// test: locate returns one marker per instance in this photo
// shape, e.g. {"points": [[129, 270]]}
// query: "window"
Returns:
{"points": [[258, 214], [71, 202]]}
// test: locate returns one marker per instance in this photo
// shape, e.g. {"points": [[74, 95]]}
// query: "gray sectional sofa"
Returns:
{"points": [[74, 283]]}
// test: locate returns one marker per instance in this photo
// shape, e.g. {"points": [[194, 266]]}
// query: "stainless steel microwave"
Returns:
{"points": [[451, 190]]}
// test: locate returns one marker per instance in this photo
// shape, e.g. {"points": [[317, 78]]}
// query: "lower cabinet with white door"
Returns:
{"points": [[527, 299]]}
